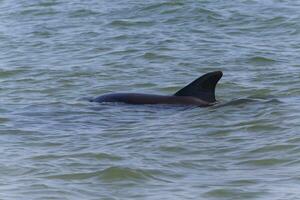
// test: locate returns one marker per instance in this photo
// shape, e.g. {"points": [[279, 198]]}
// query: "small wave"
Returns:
{"points": [[275, 22], [162, 5], [123, 52], [205, 11], [264, 162], [153, 56], [86, 99], [274, 148], [262, 94], [129, 23], [83, 13], [120, 37], [230, 193], [245, 101], [39, 12], [3, 120], [171, 11], [173, 149], [120, 173], [109, 174], [10, 73], [239, 102], [48, 3], [261, 60], [42, 34], [243, 182], [96, 156]]}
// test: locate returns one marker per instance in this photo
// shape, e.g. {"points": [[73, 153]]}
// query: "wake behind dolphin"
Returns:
{"points": [[200, 92]]}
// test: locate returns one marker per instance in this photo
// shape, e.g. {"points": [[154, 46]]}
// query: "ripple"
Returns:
{"points": [[261, 60], [96, 156], [4, 120], [238, 102], [44, 34], [268, 162], [49, 3], [11, 73], [170, 11], [118, 173], [39, 12], [163, 5], [130, 23], [110, 174], [82, 13], [154, 56], [207, 12], [250, 100], [173, 149], [273, 148], [243, 182], [231, 193]]}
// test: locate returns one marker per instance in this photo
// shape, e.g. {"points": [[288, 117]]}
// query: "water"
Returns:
{"points": [[56, 145]]}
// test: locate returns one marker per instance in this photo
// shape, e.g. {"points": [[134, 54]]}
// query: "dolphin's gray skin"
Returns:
{"points": [[201, 92], [138, 98]]}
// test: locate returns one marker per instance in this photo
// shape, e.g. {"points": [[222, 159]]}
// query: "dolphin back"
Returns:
{"points": [[203, 87]]}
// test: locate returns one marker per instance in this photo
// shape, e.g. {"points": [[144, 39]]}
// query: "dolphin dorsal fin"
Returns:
{"points": [[203, 87]]}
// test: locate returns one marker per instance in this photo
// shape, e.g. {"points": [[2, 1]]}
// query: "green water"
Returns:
{"points": [[56, 145]]}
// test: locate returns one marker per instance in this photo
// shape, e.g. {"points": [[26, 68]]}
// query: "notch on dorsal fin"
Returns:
{"points": [[203, 87]]}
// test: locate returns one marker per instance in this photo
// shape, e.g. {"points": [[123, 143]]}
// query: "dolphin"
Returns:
{"points": [[200, 92]]}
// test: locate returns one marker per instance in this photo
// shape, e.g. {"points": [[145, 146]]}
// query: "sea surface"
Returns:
{"points": [[55, 54]]}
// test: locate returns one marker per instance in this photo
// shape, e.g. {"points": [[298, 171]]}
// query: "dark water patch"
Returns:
{"points": [[259, 60], [276, 20], [40, 143], [4, 120], [123, 37], [91, 34], [42, 34], [273, 148], [267, 162], [131, 23], [222, 133], [49, 3], [295, 150], [124, 52], [11, 73], [16, 132], [118, 173], [173, 149], [205, 13], [294, 162], [163, 5], [170, 11], [227, 193], [17, 169], [192, 165], [109, 174], [28, 12], [96, 156], [156, 56], [262, 94], [83, 13], [36, 12], [266, 126], [243, 182], [294, 140], [274, 23]]}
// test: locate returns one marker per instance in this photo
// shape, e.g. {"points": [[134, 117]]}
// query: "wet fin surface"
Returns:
{"points": [[203, 87]]}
